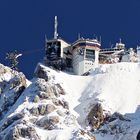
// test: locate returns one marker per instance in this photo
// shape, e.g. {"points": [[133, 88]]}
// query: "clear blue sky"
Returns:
{"points": [[23, 24]]}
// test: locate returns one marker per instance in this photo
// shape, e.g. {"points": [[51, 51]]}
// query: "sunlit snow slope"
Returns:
{"points": [[117, 86]]}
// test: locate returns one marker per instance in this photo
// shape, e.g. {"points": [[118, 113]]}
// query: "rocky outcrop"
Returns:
{"points": [[19, 79], [116, 116], [95, 116], [50, 108], [36, 99], [62, 103], [48, 122], [11, 91], [40, 72], [46, 109], [60, 89], [2, 86], [46, 90], [34, 111], [83, 135], [41, 85], [46, 95], [42, 109], [114, 124], [19, 132], [11, 120], [4, 69]]}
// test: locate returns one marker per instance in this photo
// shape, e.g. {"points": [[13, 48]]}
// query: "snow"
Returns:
{"points": [[120, 87], [64, 134], [115, 86]]}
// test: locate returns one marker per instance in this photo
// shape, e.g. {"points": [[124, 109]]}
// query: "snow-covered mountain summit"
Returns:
{"points": [[59, 106]]}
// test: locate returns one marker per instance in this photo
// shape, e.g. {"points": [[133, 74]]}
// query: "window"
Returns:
{"points": [[53, 50], [90, 54]]}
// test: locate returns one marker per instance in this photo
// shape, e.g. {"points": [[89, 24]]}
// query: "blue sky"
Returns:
{"points": [[23, 24]]}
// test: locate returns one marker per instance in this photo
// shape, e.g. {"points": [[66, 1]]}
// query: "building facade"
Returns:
{"points": [[85, 55], [81, 56], [55, 50], [113, 54]]}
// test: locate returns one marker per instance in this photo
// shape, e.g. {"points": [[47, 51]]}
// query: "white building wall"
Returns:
{"points": [[64, 46], [81, 68], [88, 65], [82, 65], [77, 63]]}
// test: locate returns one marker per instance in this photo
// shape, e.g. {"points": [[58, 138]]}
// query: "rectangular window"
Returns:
{"points": [[90, 54], [53, 50]]}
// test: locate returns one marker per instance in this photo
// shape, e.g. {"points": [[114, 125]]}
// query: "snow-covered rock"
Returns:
{"points": [[61, 106], [12, 84]]}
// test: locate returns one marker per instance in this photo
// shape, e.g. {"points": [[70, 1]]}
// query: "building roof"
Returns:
{"points": [[90, 41], [59, 39], [86, 42]]}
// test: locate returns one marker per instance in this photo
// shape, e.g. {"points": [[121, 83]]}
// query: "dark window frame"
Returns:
{"points": [[90, 54]]}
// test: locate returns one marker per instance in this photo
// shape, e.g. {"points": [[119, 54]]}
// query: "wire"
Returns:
{"points": [[32, 51]]}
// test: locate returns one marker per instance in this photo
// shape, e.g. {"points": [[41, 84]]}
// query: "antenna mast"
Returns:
{"points": [[45, 38], [100, 39], [55, 28], [120, 40], [79, 36]]}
